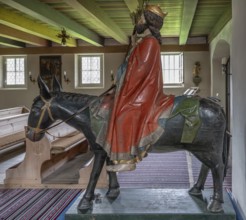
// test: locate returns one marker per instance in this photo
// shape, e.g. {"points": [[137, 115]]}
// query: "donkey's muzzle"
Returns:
{"points": [[32, 134]]}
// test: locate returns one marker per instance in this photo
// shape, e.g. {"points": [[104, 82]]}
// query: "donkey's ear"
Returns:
{"points": [[56, 85], [44, 90]]}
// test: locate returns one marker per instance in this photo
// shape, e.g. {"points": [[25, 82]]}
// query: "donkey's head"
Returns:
{"points": [[40, 116]]}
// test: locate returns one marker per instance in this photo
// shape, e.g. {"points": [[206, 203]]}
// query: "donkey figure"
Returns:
{"points": [[209, 145]]}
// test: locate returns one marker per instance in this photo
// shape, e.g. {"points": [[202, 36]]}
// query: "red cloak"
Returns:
{"points": [[138, 105]]}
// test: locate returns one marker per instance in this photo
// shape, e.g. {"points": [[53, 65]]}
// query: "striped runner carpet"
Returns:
{"points": [[35, 203], [164, 170], [174, 170]]}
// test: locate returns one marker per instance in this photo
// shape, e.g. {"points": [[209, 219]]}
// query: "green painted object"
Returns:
{"points": [[189, 109]]}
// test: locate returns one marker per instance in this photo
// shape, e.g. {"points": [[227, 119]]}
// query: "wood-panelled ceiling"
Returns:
{"points": [[25, 23]]}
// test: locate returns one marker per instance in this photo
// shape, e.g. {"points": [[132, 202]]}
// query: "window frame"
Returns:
{"points": [[79, 83], [4, 68], [181, 68]]}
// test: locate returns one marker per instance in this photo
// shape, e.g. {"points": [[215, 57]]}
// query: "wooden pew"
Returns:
{"points": [[13, 111], [52, 155], [12, 123]]}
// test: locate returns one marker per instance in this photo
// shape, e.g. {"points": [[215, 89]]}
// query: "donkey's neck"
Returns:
{"points": [[66, 104]]}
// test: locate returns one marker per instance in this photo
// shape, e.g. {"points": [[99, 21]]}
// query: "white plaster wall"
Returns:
{"points": [[238, 63], [19, 97], [220, 47], [12, 98], [225, 34], [189, 60]]}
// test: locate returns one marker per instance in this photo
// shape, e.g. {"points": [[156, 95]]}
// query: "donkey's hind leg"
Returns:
{"points": [[196, 190], [215, 163], [217, 199]]}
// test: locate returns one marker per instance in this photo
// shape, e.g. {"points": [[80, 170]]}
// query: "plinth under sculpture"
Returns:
{"points": [[154, 204]]}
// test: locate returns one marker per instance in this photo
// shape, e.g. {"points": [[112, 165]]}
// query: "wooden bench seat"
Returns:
{"points": [[12, 139], [12, 126], [64, 144], [45, 157], [13, 111]]}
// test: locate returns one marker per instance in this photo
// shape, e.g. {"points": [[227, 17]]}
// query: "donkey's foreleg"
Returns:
{"points": [[114, 187], [86, 201], [196, 190]]}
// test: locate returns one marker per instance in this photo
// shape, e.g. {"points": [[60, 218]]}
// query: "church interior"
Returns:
{"points": [[82, 43]]}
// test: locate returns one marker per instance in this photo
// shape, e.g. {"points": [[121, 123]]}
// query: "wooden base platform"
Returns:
{"points": [[168, 204]]}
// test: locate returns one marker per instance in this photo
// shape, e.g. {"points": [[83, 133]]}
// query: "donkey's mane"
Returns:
{"points": [[74, 97]]}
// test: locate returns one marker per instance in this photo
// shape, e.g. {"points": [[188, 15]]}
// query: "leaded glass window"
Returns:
{"points": [[91, 70], [172, 69], [14, 71]]}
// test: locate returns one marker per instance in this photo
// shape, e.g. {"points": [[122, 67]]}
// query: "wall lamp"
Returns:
{"points": [[31, 78], [66, 79], [112, 76], [224, 65]]}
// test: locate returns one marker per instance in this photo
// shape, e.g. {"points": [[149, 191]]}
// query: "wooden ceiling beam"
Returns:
{"points": [[16, 21], [189, 10], [11, 43], [220, 24], [46, 14], [93, 49], [17, 35], [100, 19]]}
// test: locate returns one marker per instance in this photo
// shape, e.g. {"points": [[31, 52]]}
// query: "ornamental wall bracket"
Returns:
{"points": [[196, 71]]}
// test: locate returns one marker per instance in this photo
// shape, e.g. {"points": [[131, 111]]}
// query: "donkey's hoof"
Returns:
{"points": [[194, 191], [214, 206], [113, 193], [85, 204]]}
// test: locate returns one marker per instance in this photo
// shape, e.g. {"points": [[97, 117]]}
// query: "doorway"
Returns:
{"points": [[221, 83]]}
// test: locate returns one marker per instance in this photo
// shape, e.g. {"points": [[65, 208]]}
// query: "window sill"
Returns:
{"points": [[80, 87], [173, 86], [13, 88]]}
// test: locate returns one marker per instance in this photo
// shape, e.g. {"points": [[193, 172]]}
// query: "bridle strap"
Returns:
{"points": [[36, 130], [47, 107]]}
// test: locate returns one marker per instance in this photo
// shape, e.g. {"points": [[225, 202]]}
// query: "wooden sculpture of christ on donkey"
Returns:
{"points": [[122, 125]]}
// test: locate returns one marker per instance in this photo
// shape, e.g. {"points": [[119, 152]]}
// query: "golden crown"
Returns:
{"points": [[156, 10]]}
